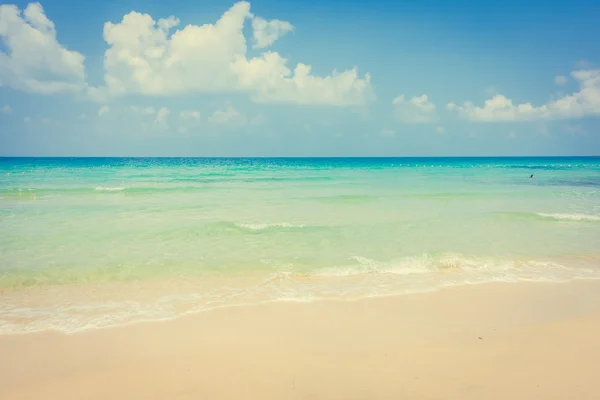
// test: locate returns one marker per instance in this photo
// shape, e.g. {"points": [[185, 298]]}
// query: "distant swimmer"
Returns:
{"points": [[531, 176]]}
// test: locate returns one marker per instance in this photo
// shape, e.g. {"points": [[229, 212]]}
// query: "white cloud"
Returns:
{"points": [[161, 117], [270, 81], [585, 102], [190, 114], [440, 129], [6, 109], [267, 32], [143, 110], [227, 116], [103, 110], [146, 118], [144, 57], [387, 132], [34, 60], [560, 80], [416, 110], [27, 120]]}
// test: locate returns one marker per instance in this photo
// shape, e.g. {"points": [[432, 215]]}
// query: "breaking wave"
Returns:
{"points": [[74, 309], [570, 217], [109, 189]]}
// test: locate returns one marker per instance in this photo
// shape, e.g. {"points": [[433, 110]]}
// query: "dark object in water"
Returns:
{"points": [[531, 176]]}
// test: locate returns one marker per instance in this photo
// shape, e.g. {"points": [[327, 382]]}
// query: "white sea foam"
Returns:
{"points": [[260, 227], [570, 217], [369, 278], [427, 264], [109, 189]]}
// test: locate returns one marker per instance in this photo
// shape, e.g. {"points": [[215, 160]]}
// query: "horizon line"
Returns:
{"points": [[306, 157]]}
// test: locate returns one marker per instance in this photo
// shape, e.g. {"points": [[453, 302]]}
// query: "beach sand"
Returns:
{"points": [[489, 341]]}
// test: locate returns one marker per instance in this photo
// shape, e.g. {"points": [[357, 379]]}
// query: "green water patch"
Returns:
{"points": [[100, 191], [234, 228], [343, 199], [18, 195], [131, 272], [449, 195], [60, 275]]}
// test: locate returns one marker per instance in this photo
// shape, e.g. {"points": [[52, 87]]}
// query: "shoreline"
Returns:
{"points": [[493, 340], [54, 292]]}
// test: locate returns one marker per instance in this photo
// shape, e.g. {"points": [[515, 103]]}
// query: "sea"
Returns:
{"points": [[90, 243]]}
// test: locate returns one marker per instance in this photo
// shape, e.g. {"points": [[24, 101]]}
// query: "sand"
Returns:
{"points": [[491, 341]]}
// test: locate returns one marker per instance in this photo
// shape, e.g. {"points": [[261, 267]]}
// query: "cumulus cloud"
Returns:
{"points": [[6, 109], [145, 57], [585, 102], [560, 80], [145, 118], [190, 114], [270, 81], [228, 115], [161, 117], [267, 32], [34, 60], [142, 110], [416, 110], [103, 110], [158, 116]]}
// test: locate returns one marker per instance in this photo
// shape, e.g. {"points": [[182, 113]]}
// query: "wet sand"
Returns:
{"points": [[491, 341]]}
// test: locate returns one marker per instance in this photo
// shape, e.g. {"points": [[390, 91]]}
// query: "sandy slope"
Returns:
{"points": [[494, 341]]}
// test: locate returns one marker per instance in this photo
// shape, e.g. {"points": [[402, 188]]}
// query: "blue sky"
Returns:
{"points": [[413, 78]]}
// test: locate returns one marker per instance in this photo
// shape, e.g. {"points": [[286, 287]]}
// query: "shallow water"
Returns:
{"points": [[96, 242]]}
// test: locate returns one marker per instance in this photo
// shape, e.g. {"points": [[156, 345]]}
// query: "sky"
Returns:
{"points": [[290, 78]]}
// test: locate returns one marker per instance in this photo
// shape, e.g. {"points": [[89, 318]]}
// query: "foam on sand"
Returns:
{"points": [[496, 342]]}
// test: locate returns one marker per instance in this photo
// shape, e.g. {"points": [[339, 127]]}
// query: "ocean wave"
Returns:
{"points": [[109, 189], [578, 217], [432, 264], [260, 227], [550, 167], [570, 217], [230, 227], [86, 191], [361, 277]]}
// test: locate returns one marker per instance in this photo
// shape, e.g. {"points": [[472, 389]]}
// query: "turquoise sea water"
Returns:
{"points": [[87, 243]]}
